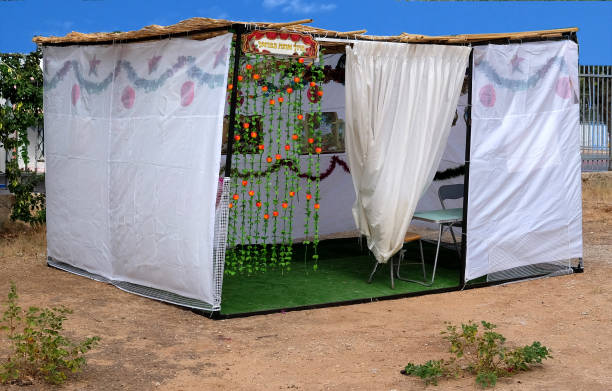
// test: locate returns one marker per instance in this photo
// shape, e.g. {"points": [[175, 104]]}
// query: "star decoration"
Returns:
{"points": [[220, 56], [153, 62], [516, 63], [93, 64]]}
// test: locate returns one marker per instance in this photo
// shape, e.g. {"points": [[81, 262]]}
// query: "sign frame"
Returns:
{"points": [[279, 43]]}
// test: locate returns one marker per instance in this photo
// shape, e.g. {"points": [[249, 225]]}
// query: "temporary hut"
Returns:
{"points": [[154, 137]]}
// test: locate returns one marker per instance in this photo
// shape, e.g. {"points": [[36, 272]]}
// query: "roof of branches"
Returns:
{"points": [[200, 28]]}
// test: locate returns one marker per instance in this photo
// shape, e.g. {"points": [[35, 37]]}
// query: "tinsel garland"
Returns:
{"points": [[335, 160], [518, 85], [452, 172], [194, 72]]}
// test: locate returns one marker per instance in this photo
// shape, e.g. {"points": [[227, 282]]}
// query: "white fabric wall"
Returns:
{"points": [[400, 102], [525, 190], [133, 135]]}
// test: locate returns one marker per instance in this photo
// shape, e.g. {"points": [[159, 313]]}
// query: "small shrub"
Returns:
{"points": [[38, 347], [482, 354]]}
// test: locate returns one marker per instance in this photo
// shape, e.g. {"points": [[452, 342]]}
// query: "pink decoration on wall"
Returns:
{"points": [[153, 63], [187, 93], [516, 63], [487, 95], [127, 97], [564, 87], [76, 94]]}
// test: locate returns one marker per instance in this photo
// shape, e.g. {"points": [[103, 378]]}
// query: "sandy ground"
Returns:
{"points": [[147, 345]]}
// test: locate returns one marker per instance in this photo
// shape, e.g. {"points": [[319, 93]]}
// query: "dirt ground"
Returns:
{"points": [[147, 345]]}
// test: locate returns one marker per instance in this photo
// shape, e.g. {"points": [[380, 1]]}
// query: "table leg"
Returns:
{"points": [[433, 274]]}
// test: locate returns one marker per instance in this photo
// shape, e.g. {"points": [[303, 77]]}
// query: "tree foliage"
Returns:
{"points": [[21, 107]]}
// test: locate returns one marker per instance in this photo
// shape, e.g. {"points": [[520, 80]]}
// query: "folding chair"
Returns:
{"points": [[451, 192], [409, 237]]}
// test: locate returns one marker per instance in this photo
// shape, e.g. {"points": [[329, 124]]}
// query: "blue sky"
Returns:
{"points": [[20, 20]]}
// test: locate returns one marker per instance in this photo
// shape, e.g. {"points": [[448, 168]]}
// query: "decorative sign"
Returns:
{"points": [[280, 43]]}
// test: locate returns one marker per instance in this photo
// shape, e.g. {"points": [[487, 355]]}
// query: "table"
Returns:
{"points": [[442, 217]]}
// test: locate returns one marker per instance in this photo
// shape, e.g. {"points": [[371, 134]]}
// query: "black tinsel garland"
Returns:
{"points": [[335, 161]]}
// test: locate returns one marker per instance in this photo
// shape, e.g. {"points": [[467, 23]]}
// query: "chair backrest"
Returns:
{"points": [[450, 192]]}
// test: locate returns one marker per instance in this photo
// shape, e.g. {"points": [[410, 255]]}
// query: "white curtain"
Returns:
{"points": [[400, 103]]}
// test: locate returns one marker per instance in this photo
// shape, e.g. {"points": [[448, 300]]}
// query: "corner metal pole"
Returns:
{"points": [[466, 180], [233, 100]]}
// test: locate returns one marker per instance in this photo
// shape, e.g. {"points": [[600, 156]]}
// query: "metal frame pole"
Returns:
{"points": [[466, 177], [233, 100]]}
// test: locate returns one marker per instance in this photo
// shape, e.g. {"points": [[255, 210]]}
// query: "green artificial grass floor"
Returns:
{"points": [[342, 275]]}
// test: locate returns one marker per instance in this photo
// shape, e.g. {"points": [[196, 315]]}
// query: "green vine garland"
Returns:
{"points": [[269, 138]]}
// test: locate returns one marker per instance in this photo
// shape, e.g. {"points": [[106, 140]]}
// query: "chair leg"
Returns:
{"points": [[422, 260], [390, 268], [392, 272], [450, 227], [399, 277], [373, 272]]}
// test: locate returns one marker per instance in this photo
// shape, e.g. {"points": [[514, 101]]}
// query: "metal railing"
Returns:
{"points": [[595, 117]]}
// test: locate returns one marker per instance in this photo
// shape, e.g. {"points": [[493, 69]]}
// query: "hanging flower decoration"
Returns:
{"points": [[270, 117], [239, 98], [313, 94]]}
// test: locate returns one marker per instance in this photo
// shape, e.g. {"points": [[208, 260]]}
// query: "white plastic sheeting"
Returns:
{"points": [[525, 190], [133, 137], [400, 102]]}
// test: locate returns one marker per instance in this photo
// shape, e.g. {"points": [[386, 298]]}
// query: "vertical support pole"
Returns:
{"points": [[609, 112], [466, 174], [232, 114]]}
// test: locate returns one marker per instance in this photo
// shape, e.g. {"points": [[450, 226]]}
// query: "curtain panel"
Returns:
{"points": [[400, 103]]}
